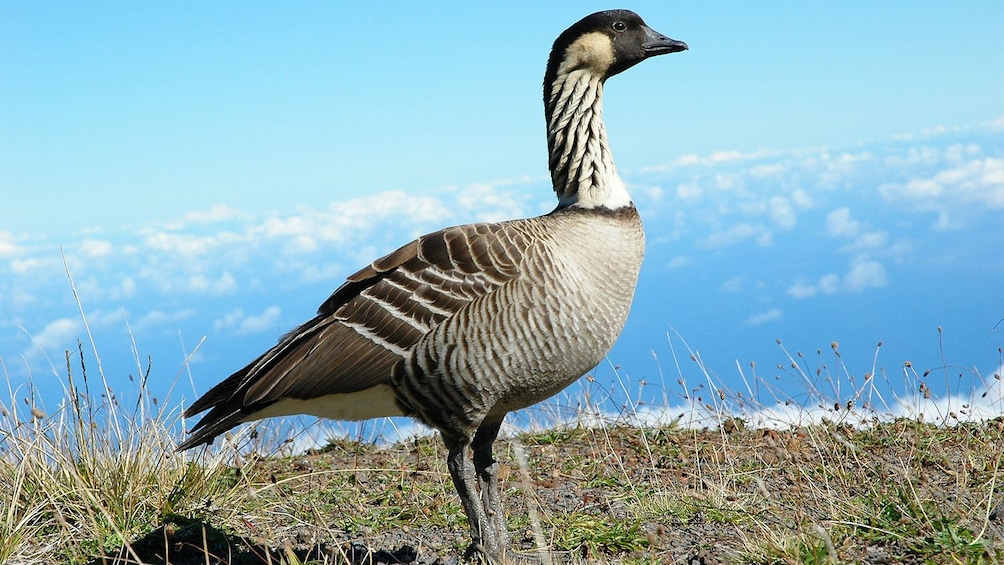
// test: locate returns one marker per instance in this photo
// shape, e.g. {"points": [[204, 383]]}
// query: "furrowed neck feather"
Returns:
{"points": [[582, 167]]}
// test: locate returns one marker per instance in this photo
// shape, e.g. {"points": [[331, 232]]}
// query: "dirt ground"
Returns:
{"points": [[902, 492]]}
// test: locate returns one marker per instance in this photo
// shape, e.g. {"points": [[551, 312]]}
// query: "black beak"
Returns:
{"points": [[658, 44]]}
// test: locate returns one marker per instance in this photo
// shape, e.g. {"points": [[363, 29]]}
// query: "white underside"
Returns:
{"points": [[609, 193], [375, 402]]}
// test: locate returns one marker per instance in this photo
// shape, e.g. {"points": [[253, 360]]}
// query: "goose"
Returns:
{"points": [[464, 325]]}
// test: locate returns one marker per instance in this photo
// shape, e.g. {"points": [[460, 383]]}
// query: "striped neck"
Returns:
{"points": [[582, 168]]}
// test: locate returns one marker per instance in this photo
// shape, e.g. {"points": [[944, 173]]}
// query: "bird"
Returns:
{"points": [[463, 325]]}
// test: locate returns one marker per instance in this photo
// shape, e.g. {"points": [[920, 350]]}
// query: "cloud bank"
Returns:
{"points": [[757, 236]]}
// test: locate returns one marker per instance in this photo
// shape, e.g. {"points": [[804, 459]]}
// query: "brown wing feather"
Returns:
{"points": [[365, 327]]}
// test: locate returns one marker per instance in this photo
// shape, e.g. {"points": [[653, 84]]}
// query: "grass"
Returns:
{"points": [[94, 476], [98, 481]]}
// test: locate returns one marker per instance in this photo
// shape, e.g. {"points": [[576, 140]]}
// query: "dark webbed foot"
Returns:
{"points": [[478, 486], [477, 552], [487, 470], [483, 535]]}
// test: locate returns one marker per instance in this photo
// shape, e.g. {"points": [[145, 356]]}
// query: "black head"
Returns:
{"points": [[607, 43]]}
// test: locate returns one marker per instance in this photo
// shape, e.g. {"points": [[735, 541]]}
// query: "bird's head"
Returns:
{"points": [[607, 43]]}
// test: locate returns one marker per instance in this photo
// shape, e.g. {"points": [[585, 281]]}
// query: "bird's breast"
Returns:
{"points": [[576, 319], [535, 336]]}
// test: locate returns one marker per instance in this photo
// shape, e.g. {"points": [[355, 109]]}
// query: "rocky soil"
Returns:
{"points": [[903, 492]]}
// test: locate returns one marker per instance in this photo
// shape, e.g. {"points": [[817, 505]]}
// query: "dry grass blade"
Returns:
{"points": [[831, 478]]}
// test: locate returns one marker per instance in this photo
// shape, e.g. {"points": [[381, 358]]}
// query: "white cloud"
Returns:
{"points": [[355, 220], [96, 248], [840, 224], [865, 274], [21, 298], [727, 182], [285, 227], [127, 286], [679, 262], [736, 234], [688, 191], [950, 221], [98, 319], [914, 189], [867, 241], [225, 284], [57, 335], [715, 158], [313, 273], [229, 320], [864, 271], [218, 213], [832, 172], [734, 284], [765, 171], [862, 274], [687, 160], [264, 321], [802, 289], [981, 403], [8, 246], [730, 156], [396, 204], [485, 201], [104, 288], [726, 156], [653, 193], [960, 152], [241, 324], [155, 318], [720, 200], [963, 178], [764, 317], [782, 212], [189, 245], [802, 199], [200, 278], [354, 231], [829, 284], [22, 266]]}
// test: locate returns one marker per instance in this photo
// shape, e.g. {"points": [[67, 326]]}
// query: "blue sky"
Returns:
{"points": [[807, 173]]}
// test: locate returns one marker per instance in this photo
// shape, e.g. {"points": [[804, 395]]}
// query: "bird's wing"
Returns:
{"points": [[369, 323]]}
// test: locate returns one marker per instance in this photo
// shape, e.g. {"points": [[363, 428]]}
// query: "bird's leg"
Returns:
{"points": [[483, 537], [487, 469]]}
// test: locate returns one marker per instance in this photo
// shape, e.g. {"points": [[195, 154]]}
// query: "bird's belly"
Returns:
{"points": [[540, 368], [373, 402]]}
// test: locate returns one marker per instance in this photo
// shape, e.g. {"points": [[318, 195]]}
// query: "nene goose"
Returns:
{"points": [[464, 325]]}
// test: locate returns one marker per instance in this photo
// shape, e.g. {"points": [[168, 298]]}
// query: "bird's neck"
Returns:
{"points": [[582, 168]]}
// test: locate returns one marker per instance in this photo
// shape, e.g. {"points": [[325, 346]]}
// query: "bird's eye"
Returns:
{"points": [[619, 26]]}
